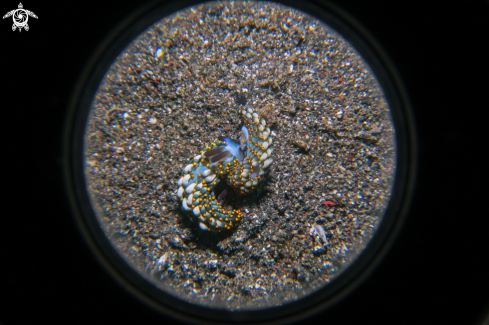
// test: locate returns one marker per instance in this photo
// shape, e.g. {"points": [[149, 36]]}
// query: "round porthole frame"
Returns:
{"points": [[315, 302]]}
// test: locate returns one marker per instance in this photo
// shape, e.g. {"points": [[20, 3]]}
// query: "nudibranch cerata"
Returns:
{"points": [[241, 164]]}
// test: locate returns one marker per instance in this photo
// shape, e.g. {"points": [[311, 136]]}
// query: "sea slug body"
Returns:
{"points": [[240, 164]]}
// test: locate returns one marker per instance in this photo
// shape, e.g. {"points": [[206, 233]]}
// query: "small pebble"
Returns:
{"points": [[159, 53]]}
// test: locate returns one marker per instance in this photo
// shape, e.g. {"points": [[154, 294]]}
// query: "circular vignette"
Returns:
{"points": [[318, 301]]}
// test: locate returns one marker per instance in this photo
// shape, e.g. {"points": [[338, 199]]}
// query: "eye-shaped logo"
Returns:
{"points": [[20, 17]]}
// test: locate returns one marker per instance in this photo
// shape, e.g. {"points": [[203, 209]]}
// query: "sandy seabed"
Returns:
{"points": [[177, 87]]}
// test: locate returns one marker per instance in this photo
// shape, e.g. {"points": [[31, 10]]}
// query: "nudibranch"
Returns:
{"points": [[241, 164]]}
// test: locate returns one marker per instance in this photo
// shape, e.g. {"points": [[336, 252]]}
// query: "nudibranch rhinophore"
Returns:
{"points": [[241, 164]]}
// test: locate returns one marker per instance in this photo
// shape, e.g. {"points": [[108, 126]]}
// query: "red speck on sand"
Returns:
{"points": [[330, 203]]}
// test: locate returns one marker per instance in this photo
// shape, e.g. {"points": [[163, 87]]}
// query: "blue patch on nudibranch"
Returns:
{"points": [[240, 164], [233, 147]]}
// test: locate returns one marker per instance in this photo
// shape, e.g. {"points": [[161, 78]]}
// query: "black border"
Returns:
{"points": [[349, 279]]}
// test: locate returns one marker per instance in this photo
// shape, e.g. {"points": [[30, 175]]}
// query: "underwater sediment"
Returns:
{"points": [[181, 86]]}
